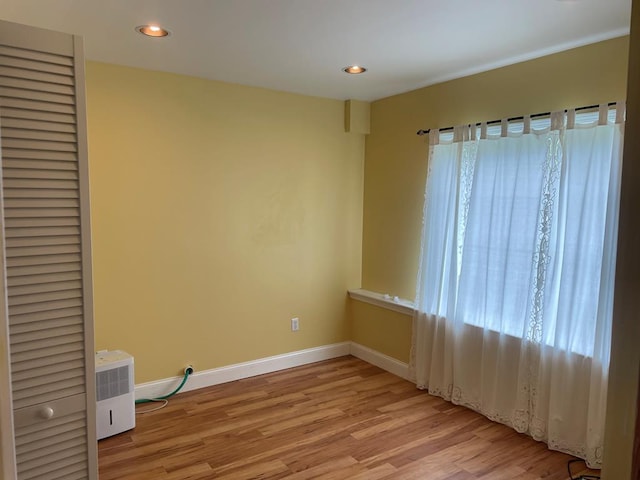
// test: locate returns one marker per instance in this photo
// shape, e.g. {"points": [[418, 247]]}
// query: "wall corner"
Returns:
{"points": [[357, 117]]}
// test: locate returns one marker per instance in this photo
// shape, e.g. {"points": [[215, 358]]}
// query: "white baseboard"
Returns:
{"points": [[239, 371], [381, 360]]}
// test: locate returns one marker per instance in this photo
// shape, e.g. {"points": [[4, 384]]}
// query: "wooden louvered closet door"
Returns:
{"points": [[45, 220]]}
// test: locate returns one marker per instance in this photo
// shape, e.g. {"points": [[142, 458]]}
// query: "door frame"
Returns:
{"points": [[8, 467]]}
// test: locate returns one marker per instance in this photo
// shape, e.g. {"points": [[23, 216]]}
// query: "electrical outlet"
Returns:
{"points": [[295, 324]]}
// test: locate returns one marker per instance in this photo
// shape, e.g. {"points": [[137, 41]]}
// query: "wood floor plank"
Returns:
{"points": [[272, 469], [330, 467], [197, 470], [376, 473], [333, 420]]}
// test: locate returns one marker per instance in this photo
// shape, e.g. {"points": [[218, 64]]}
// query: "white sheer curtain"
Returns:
{"points": [[515, 291]]}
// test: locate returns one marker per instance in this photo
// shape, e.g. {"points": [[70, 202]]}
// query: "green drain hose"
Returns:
{"points": [[187, 371]]}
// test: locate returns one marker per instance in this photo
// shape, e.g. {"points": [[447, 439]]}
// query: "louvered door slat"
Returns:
{"points": [[27, 123], [20, 328], [40, 193], [44, 279], [70, 475], [38, 344], [22, 271], [38, 144], [42, 222], [35, 299], [42, 241], [36, 318], [39, 155], [42, 261], [40, 95], [50, 250], [34, 233], [45, 392], [23, 166], [49, 369], [20, 291], [36, 65], [67, 461], [44, 362], [40, 56], [40, 212], [35, 55], [25, 387], [15, 72], [9, 113], [70, 449], [34, 86], [30, 134], [65, 442], [42, 203], [40, 106], [39, 164], [60, 469], [43, 170], [36, 455], [33, 178], [53, 376], [44, 306], [69, 434], [40, 174], [70, 419], [13, 183]]}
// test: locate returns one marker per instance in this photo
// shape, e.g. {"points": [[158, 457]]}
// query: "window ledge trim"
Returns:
{"points": [[400, 305]]}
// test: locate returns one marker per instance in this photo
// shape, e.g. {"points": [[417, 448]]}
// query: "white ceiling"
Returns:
{"points": [[301, 45]]}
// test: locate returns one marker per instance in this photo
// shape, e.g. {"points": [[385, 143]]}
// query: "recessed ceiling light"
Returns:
{"points": [[354, 69], [152, 31]]}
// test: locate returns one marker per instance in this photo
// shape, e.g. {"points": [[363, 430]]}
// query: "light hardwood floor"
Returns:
{"points": [[338, 419]]}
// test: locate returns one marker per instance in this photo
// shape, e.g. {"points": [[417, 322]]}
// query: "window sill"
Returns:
{"points": [[406, 307], [396, 304]]}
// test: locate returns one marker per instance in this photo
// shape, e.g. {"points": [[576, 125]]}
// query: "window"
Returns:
{"points": [[532, 227], [515, 290]]}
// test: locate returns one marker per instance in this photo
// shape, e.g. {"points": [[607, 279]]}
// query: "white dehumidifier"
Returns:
{"points": [[116, 410]]}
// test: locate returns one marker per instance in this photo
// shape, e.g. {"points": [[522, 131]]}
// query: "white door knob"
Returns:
{"points": [[46, 412]]}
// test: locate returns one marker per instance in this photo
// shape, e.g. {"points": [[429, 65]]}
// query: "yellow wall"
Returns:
{"points": [[218, 213], [221, 211], [368, 321], [395, 165]]}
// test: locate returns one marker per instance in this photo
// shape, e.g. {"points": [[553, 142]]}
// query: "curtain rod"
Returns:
{"points": [[492, 122]]}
